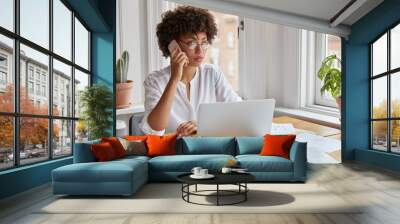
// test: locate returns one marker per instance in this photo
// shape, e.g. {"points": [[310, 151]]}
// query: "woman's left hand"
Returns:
{"points": [[187, 128]]}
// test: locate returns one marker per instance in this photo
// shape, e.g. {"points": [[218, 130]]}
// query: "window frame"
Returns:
{"points": [[15, 72], [388, 74], [311, 57], [322, 44]]}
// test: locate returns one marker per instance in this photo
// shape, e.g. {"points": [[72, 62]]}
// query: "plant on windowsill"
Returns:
{"points": [[96, 104], [124, 86], [331, 78]]}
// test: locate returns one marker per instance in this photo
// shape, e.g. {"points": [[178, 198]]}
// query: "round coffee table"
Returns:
{"points": [[238, 179]]}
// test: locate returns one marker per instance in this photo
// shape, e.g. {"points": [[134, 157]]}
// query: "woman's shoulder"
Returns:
{"points": [[210, 68], [213, 71], [161, 75]]}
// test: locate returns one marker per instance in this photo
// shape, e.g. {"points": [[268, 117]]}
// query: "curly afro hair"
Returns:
{"points": [[184, 19]]}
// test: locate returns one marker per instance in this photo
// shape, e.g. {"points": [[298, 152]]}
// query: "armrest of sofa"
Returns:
{"points": [[298, 155], [83, 152]]}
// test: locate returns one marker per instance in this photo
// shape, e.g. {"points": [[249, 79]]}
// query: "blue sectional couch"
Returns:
{"points": [[125, 176]]}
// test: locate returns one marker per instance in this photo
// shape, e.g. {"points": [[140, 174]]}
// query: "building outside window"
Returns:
{"points": [[43, 77], [37, 74], [3, 78], [34, 82], [30, 87], [43, 90], [38, 89], [30, 72], [3, 72]]}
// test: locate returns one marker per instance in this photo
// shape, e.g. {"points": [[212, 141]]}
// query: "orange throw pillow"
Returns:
{"points": [[277, 145], [116, 145], [103, 152], [136, 137], [161, 145]]}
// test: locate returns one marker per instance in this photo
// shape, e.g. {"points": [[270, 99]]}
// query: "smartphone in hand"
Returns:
{"points": [[172, 46]]}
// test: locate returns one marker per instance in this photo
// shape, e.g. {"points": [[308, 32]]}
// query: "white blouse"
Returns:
{"points": [[208, 85]]}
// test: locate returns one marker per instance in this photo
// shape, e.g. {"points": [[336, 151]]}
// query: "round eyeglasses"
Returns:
{"points": [[193, 45]]}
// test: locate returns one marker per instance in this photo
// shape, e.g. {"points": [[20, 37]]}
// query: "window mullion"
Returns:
{"points": [[16, 84], [73, 82], [50, 81], [389, 101]]}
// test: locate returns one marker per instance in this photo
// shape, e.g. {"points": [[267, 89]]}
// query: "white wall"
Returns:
{"points": [[132, 36], [270, 60]]}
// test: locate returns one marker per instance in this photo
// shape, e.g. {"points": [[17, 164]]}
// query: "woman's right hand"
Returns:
{"points": [[178, 60]]}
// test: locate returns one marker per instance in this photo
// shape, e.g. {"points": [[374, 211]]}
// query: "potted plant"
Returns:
{"points": [[331, 77], [124, 86], [96, 104]]}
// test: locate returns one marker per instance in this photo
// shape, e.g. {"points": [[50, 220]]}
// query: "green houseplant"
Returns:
{"points": [[124, 86], [331, 77], [96, 104]]}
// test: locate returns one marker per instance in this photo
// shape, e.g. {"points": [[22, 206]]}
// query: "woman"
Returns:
{"points": [[173, 94]]}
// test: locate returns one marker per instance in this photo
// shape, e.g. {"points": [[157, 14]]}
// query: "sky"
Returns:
{"points": [[35, 27], [380, 66]]}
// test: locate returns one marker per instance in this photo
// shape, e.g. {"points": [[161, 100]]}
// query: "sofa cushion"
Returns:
{"points": [[134, 147], [207, 145], [185, 163], [103, 152], [249, 145], [277, 145], [111, 171], [83, 152], [161, 145], [257, 163], [116, 145]]}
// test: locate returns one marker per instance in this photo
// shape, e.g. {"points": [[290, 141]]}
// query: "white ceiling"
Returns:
{"points": [[318, 9], [313, 15]]}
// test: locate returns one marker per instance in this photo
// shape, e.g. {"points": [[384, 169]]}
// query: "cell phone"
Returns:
{"points": [[172, 46]]}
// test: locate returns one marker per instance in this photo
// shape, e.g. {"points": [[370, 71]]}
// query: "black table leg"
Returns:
{"points": [[217, 194], [245, 193]]}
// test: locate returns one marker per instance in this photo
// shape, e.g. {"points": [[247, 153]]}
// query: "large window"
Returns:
{"points": [[385, 92], [331, 45], [224, 51], [44, 64], [315, 47]]}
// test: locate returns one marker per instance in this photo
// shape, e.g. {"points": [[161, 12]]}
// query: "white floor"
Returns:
{"points": [[318, 148]]}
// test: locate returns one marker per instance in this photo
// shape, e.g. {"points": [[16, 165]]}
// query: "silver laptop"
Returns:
{"points": [[244, 118]]}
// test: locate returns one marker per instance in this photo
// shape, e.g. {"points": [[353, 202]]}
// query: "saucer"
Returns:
{"points": [[208, 176]]}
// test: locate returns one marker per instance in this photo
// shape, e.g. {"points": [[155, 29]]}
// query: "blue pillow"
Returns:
{"points": [[249, 145], [207, 145]]}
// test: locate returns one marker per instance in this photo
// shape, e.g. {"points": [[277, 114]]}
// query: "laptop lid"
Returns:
{"points": [[244, 118]]}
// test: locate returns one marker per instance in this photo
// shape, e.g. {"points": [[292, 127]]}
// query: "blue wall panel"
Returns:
{"points": [[356, 83], [24, 178]]}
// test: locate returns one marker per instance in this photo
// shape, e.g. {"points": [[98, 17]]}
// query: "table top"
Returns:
{"points": [[220, 178]]}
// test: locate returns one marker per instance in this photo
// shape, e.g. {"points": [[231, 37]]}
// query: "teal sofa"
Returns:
{"points": [[125, 176]]}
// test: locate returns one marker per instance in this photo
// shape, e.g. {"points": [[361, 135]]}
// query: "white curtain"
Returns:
{"points": [[270, 63]]}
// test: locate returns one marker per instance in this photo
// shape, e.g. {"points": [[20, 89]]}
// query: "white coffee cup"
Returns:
{"points": [[203, 172], [196, 170], [226, 170]]}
